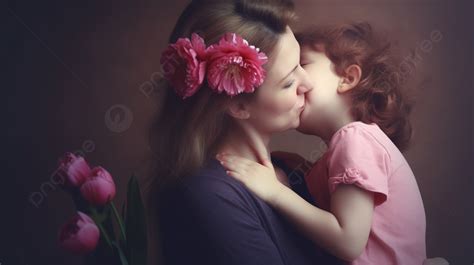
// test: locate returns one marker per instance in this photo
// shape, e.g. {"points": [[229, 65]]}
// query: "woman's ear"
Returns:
{"points": [[352, 77], [238, 110]]}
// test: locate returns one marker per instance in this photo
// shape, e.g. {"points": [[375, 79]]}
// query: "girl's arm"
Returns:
{"points": [[343, 232]]}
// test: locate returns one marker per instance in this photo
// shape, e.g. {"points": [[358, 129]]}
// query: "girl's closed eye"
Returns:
{"points": [[303, 63], [289, 84]]}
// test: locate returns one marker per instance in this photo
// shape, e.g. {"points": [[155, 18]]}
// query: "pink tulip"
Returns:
{"points": [[79, 235], [73, 170], [99, 187]]}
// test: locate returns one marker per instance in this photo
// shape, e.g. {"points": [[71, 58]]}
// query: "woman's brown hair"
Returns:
{"points": [[380, 96], [186, 132]]}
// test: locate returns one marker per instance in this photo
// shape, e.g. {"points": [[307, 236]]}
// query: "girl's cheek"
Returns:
{"points": [[311, 73]]}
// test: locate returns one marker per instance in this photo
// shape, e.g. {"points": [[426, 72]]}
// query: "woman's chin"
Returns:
{"points": [[293, 124], [302, 116], [297, 121], [302, 122]]}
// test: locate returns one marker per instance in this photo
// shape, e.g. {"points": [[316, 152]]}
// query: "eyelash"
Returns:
{"points": [[289, 84]]}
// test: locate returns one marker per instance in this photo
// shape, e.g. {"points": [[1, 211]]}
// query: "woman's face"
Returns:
{"points": [[280, 100]]}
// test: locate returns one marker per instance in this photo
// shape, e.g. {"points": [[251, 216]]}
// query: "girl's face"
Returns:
{"points": [[280, 100], [325, 105]]}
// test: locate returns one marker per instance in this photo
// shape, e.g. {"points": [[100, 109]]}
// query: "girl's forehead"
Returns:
{"points": [[308, 52], [308, 48]]}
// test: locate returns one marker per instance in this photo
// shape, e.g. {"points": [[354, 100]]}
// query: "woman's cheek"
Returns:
{"points": [[286, 102], [278, 103]]}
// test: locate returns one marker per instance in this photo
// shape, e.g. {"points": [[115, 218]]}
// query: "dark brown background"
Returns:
{"points": [[67, 64]]}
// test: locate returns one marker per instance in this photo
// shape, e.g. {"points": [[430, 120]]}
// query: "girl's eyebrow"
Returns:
{"points": [[288, 74]]}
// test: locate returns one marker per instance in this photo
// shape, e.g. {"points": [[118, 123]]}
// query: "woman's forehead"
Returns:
{"points": [[284, 57]]}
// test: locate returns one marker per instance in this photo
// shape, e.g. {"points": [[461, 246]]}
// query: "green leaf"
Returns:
{"points": [[135, 225], [123, 210], [122, 237], [123, 259]]}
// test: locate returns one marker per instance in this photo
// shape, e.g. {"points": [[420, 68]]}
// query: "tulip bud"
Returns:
{"points": [[73, 170], [80, 235], [99, 188]]}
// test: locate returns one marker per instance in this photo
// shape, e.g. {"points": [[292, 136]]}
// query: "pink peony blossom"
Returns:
{"points": [[99, 188], [234, 66], [79, 235], [184, 65], [73, 170]]}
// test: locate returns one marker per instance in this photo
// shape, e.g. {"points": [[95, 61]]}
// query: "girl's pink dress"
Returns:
{"points": [[361, 154]]}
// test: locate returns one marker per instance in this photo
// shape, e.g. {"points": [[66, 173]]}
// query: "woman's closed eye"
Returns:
{"points": [[289, 84]]}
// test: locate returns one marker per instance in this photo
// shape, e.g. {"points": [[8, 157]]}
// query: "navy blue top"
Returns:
{"points": [[211, 218]]}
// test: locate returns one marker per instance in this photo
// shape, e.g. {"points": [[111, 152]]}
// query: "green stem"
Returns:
{"points": [[119, 220], [106, 236], [123, 258], [103, 231]]}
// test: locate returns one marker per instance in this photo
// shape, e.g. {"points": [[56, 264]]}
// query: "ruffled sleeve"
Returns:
{"points": [[358, 158]]}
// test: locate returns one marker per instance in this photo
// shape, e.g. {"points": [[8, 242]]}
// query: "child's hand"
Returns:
{"points": [[260, 179]]}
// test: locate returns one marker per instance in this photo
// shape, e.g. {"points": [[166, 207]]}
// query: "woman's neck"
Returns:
{"points": [[238, 142]]}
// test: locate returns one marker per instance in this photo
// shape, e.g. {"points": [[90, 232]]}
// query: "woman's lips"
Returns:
{"points": [[299, 109], [302, 105]]}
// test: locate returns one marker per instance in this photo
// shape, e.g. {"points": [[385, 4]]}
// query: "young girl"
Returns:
{"points": [[369, 208]]}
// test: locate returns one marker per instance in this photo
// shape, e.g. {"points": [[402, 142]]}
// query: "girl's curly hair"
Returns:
{"points": [[379, 97]]}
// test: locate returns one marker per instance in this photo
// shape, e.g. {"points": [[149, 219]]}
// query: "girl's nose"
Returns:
{"points": [[305, 84]]}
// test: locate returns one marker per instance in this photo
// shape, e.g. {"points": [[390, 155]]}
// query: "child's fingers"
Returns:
{"points": [[236, 165], [236, 161], [244, 161], [268, 163], [236, 175]]}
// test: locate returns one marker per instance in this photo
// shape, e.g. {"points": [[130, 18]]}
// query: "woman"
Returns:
{"points": [[205, 216]]}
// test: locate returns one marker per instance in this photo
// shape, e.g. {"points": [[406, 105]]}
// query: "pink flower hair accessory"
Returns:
{"points": [[231, 66], [234, 66], [184, 65]]}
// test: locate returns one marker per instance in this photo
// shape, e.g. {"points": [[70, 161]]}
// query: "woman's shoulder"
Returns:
{"points": [[208, 187], [212, 178]]}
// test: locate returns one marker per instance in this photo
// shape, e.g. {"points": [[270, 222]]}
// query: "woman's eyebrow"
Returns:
{"points": [[288, 74]]}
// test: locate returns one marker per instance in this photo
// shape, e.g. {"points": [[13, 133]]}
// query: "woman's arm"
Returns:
{"points": [[343, 232]]}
